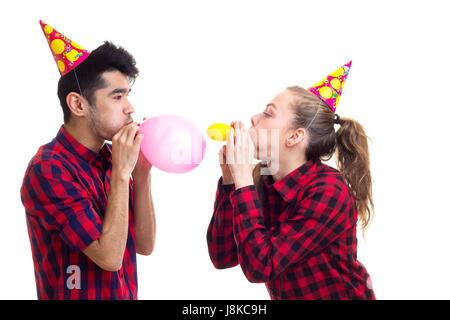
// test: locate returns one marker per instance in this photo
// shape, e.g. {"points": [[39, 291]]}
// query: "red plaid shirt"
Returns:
{"points": [[302, 244], [65, 192]]}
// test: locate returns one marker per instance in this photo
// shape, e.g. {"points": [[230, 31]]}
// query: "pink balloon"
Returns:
{"points": [[172, 143]]}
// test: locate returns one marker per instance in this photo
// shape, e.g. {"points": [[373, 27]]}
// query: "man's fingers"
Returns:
{"points": [[137, 141], [131, 132], [122, 132]]}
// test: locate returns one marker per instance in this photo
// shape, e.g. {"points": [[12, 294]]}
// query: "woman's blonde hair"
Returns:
{"points": [[349, 143]]}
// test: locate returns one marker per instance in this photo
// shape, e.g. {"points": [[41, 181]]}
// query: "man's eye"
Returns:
{"points": [[266, 114], [117, 97]]}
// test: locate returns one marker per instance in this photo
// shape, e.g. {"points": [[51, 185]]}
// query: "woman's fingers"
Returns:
{"points": [[230, 147], [222, 153], [245, 147], [239, 147], [251, 146]]}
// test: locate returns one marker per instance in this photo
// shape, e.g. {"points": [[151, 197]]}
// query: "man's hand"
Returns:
{"points": [[108, 250], [142, 167], [144, 212], [125, 150]]}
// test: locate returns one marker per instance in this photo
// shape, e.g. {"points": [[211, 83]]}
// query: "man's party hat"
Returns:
{"points": [[67, 54]]}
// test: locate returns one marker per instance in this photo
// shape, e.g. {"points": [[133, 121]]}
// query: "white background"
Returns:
{"points": [[218, 61]]}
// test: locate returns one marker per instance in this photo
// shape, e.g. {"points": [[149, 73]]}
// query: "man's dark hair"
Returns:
{"points": [[107, 57]]}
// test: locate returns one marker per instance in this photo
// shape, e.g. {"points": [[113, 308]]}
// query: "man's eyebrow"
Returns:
{"points": [[119, 90], [271, 105]]}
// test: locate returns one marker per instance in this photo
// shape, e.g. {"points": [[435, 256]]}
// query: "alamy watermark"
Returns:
{"points": [[260, 148], [74, 279], [187, 149]]}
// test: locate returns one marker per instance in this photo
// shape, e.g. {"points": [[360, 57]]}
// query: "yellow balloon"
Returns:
{"points": [[218, 131]]}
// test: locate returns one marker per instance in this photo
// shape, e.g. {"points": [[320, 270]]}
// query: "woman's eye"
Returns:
{"points": [[117, 97], [266, 114]]}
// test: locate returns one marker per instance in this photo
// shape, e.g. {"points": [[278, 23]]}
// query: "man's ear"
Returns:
{"points": [[77, 104], [296, 137]]}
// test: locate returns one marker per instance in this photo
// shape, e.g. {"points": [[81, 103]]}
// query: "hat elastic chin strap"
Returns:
{"points": [[78, 83], [337, 119], [318, 107]]}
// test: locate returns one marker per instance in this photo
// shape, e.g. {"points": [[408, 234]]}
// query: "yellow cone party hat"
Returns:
{"points": [[330, 88], [67, 54]]}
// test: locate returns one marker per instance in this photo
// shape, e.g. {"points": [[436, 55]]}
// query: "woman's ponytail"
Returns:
{"points": [[352, 159]]}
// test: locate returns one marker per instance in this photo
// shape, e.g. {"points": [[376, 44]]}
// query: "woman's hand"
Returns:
{"points": [[227, 178], [239, 154]]}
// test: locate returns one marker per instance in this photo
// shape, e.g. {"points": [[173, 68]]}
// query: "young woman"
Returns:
{"points": [[295, 228]]}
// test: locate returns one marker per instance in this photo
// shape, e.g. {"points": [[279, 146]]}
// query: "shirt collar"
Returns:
{"points": [[289, 186], [76, 148]]}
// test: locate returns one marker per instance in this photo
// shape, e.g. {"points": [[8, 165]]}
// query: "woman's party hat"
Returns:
{"points": [[330, 88], [67, 54]]}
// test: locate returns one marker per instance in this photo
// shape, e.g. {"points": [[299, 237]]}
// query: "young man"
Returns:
{"points": [[86, 217]]}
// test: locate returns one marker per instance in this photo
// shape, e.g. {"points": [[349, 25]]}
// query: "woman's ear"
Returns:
{"points": [[77, 104], [296, 137]]}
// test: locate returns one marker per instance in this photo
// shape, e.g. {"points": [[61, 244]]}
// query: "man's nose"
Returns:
{"points": [[129, 108]]}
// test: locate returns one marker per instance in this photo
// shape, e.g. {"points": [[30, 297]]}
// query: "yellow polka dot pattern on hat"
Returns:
{"points": [[48, 29], [338, 72], [76, 45], [330, 88], [335, 83], [72, 55], [67, 54], [57, 46], [61, 66], [326, 92]]}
